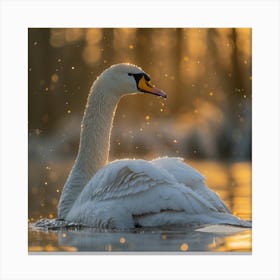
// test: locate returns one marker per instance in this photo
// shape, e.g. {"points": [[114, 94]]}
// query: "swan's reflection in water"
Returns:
{"points": [[188, 239]]}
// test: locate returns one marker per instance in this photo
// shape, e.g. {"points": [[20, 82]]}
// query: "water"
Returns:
{"points": [[182, 239], [231, 181]]}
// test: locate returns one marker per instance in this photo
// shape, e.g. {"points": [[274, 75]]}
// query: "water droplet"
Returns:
{"points": [[184, 247], [163, 236], [175, 141], [211, 93], [122, 240], [73, 67], [147, 118], [131, 47], [108, 247], [35, 43], [54, 78], [69, 111]]}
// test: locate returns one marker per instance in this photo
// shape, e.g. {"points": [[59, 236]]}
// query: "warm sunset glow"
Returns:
{"points": [[206, 118]]}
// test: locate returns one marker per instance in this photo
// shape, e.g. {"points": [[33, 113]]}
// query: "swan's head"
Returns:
{"points": [[125, 78]]}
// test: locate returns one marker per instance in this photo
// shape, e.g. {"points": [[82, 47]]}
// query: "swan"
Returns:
{"points": [[130, 193]]}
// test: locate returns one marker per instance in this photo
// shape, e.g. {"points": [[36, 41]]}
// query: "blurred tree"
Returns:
{"points": [[107, 46], [39, 53], [194, 66]]}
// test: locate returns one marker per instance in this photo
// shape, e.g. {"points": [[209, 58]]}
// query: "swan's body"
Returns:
{"points": [[128, 193]]}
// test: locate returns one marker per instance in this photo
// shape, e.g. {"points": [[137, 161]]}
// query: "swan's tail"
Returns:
{"points": [[181, 218], [223, 218]]}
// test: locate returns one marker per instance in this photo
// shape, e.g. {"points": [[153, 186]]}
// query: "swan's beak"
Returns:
{"points": [[144, 86]]}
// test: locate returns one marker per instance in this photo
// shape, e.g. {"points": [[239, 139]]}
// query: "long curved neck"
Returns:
{"points": [[94, 144], [95, 131]]}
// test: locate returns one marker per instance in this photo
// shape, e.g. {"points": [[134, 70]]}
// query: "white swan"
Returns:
{"points": [[128, 193]]}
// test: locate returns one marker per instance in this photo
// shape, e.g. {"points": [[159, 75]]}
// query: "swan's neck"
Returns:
{"points": [[95, 131], [94, 144]]}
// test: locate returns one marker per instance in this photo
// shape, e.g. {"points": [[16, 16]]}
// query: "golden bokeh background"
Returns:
{"points": [[206, 119], [207, 73]]}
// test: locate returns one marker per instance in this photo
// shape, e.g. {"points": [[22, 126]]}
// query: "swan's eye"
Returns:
{"points": [[147, 77], [138, 76]]}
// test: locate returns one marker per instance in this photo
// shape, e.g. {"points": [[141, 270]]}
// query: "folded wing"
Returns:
{"points": [[127, 193]]}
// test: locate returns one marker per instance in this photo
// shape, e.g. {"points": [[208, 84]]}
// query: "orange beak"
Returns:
{"points": [[145, 86]]}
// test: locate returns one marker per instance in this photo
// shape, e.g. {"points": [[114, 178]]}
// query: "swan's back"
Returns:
{"points": [[129, 193]]}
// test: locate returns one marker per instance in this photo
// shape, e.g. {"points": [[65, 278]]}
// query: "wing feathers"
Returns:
{"points": [[127, 188]]}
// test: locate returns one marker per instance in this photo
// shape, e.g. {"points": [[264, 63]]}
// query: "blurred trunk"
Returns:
{"points": [[39, 70], [108, 52], [234, 85], [144, 39], [177, 55], [222, 82]]}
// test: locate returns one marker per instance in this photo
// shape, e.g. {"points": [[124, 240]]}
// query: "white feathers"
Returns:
{"points": [[128, 193]]}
